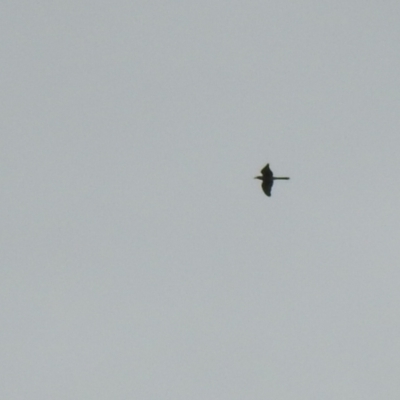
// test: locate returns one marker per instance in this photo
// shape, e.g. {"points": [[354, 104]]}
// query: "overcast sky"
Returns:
{"points": [[139, 257]]}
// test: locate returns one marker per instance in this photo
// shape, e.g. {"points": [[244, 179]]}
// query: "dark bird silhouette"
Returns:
{"points": [[267, 179]]}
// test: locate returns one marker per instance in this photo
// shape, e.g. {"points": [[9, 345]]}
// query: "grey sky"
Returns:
{"points": [[139, 257]]}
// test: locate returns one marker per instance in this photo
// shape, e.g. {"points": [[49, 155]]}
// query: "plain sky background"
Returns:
{"points": [[139, 257]]}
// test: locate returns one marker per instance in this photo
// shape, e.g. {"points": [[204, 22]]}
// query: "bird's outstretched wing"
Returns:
{"points": [[267, 186], [266, 172]]}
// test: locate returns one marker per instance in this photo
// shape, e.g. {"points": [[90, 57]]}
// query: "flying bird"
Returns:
{"points": [[267, 179]]}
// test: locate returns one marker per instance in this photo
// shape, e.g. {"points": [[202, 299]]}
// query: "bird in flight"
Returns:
{"points": [[267, 179]]}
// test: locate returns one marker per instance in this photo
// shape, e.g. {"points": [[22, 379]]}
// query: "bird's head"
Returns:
{"points": [[258, 177]]}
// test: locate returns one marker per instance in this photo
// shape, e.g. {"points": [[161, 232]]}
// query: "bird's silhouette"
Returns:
{"points": [[267, 179]]}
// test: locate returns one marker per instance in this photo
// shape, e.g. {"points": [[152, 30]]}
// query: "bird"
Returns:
{"points": [[267, 178]]}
